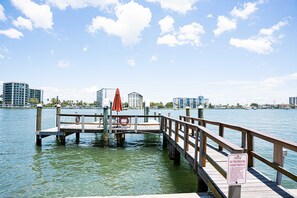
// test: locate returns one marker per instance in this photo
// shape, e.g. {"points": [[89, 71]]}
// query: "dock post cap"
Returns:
{"points": [[200, 107], [58, 106], [106, 103], [187, 107], [147, 103], [39, 105]]}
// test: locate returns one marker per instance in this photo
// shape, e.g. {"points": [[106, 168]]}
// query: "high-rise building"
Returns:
{"points": [[293, 101], [135, 100], [201, 100], [103, 93], [180, 103], [36, 93], [15, 94]]}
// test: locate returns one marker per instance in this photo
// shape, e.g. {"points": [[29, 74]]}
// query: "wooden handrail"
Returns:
{"points": [[248, 141]]}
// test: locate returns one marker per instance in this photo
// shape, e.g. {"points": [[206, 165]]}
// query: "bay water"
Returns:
{"points": [[141, 166]]}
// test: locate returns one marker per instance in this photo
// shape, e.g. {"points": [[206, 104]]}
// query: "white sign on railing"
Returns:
{"points": [[237, 169]]}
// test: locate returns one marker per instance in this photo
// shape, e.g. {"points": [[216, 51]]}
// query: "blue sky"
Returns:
{"points": [[228, 51]]}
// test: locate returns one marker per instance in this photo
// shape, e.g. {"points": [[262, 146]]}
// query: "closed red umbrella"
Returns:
{"points": [[117, 102]]}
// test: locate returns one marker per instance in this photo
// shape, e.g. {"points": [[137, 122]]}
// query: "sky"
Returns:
{"points": [[225, 50]]}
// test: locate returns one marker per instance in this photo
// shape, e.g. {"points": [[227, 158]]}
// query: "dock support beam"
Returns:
{"points": [[38, 123]]}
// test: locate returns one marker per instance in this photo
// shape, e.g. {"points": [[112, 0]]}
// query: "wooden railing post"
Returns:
{"points": [[82, 123], [201, 185], [186, 139], [202, 149], [243, 139], [278, 158], [180, 126], [58, 111], [170, 127], [234, 191], [196, 150], [159, 119], [221, 133], [250, 148], [176, 131], [136, 121], [165, 125], [38, 124], [200, 115], [161, 124]]}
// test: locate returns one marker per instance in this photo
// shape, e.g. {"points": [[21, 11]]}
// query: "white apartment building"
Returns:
{"points": [[103, 93], [135, 100]]}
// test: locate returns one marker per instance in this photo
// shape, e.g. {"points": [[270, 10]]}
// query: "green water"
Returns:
{"points": [[86, 169], [141, 166]]}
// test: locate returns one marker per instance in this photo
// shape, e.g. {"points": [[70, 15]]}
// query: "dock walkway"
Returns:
{"points": [[211, 163]]}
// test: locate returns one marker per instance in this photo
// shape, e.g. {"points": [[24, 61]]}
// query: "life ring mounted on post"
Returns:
{"points": [[124, 121], [77, 119]]}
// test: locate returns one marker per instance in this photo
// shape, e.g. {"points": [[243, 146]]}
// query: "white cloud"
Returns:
{"points": [[52, 52], [75, 4], [131, 62], [180, 6], [92, 89], [169, 40], [271, 30], [188, 34], [166, 24], [132, 19], [1, 56], [224, 24], [86, 94], [23, 23], [85, 48], [40, 15], [210, 16], [64, 64], [248, 9], [2, 14], [258, 45], [154, 58], [12, 33], [262, 91], [262, 43]]}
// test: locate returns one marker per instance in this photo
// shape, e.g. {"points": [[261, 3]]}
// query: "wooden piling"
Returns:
{"points": [[38, 124], [176, 157], [201, 185], [63, 139], [77, 138], [120, 137]]}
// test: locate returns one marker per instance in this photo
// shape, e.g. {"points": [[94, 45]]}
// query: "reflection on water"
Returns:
{"points": [[141, 166]]}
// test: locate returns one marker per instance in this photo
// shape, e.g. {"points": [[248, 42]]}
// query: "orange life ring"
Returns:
{"points": [[124, 121]]}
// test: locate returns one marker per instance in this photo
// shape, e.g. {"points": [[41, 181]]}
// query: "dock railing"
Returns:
{"points": [[247, 143], [197, 137], [83, 120]]}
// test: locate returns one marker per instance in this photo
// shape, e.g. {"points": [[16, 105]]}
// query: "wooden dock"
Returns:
{"points": [[189, 138], [210, 162]]}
